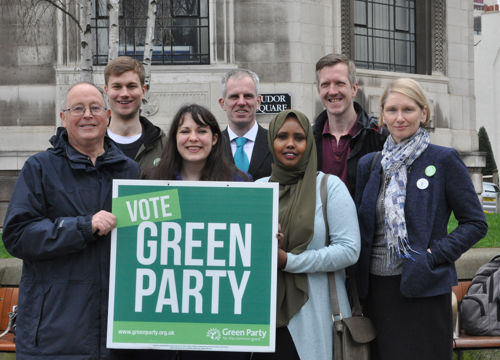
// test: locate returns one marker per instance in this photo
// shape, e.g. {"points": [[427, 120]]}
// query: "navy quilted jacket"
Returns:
{"points": [[63, 297]]}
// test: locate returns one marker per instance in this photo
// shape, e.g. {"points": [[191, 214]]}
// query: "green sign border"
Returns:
{"points": [[189, 336]]}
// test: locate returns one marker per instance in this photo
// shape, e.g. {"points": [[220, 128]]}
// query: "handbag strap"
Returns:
{"points": [[334, 300], [374, 161]]}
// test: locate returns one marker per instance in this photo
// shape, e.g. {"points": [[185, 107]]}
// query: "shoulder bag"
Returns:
{"points": [[352, 335]]}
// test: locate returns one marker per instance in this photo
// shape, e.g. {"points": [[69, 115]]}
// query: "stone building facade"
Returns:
{"points": [[487, 79], [280, 40]]}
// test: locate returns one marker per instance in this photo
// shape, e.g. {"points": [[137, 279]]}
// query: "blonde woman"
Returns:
{"points": [[406, 268]]}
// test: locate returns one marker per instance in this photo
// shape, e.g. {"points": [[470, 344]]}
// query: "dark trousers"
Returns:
{"points": [[145, 354], [408, 328], [285, 348]]}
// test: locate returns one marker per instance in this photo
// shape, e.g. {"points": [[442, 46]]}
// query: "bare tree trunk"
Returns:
{"points": [[86, 40], [113, 29], [62, 7], [148, 45]]}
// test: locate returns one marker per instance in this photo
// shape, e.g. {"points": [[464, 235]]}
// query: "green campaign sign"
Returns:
{"points": [[193, 266]]}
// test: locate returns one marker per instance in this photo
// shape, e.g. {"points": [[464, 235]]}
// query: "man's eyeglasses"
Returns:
{"points": [[79, 110]]}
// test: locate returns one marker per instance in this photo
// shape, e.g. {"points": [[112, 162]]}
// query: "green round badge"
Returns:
{"points": [[430, 170]]}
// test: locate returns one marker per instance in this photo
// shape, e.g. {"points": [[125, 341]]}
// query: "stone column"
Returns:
{"points": [[475, 161]]}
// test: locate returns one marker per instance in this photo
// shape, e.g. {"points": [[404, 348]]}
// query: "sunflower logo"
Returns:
{"points": [[213, 334]]}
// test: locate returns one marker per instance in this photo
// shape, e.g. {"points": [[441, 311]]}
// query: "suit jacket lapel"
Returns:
{"points": [[260, 151]]}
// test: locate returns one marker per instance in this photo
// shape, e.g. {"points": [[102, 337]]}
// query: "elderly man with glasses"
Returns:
{"points": [[59, 222]]}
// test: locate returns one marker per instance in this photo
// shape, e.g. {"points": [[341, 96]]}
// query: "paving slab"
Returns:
{"points": [[10, 272]]}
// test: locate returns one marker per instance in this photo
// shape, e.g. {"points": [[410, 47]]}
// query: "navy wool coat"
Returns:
{"points": [[427, 212]]}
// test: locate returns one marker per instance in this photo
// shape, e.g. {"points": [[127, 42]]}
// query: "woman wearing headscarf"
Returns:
{"points": [[404, 199], [304, 316]]}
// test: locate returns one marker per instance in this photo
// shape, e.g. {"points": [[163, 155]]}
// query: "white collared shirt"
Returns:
{"points": [[251, 135]]}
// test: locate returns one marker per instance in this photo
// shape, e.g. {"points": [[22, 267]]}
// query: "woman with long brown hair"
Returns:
{"points": [[195, 152]]}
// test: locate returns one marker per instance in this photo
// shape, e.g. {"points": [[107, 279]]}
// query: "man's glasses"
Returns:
{"points": [[79, 110]]}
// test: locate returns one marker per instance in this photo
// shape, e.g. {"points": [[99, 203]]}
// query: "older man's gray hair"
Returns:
{"points": [[64, 95], [238, 74]]}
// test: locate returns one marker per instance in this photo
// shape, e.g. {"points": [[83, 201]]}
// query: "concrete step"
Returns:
{"points": [[472, 260], [10, 271]]}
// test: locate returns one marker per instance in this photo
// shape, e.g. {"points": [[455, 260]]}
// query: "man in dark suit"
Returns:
{"points": [[246, 139]]}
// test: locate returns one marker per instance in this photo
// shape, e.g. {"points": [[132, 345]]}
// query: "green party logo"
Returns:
{"points": [[213, 334]]}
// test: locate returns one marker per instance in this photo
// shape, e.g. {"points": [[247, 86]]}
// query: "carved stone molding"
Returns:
{"points": [[169, 103], [439, 28], [151, 107], [345, 7]]}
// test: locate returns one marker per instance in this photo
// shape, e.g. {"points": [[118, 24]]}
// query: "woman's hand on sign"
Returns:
{"points": [[280, 237], [103, 222], [282, 255]]}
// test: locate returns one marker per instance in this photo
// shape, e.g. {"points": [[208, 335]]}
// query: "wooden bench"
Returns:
{"points": [[468, 342], [8, 299]]}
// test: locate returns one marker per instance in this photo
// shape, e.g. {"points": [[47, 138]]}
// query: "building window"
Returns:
{"points": [[477, 25], [181, 31], [385, 35]]}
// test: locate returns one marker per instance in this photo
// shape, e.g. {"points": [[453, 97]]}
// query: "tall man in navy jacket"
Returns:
{"points": [[343, 132], [59, 222], [240, 100]]}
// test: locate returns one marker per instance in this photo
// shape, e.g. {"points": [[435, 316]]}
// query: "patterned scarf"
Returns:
{"points": [[396, 158]]}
